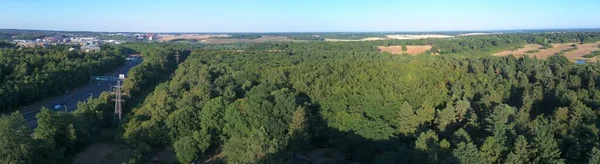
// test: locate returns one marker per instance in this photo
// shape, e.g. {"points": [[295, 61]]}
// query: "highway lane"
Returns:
{"points": [[70, 99]]}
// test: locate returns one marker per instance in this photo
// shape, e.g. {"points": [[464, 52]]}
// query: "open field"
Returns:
{"points": [[402, 37], [351, 40], [583, 50], [476, 33], [412, 50], [577, 54], [527, 47], [391, 37], [189, 37], [258, 40]]}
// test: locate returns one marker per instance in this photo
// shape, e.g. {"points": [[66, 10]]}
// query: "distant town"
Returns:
{"points": [[85, 42]]}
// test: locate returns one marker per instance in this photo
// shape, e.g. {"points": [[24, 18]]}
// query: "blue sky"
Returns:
{"points": [[297, 15]]}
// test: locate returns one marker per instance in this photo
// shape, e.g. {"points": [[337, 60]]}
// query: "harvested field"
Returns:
{"points": [[583, 49], [476, 33], [389, 37], [258, 40], [412, 50], [521, 51], [403, 37], [189, 37], [577, 54], [352, 40]]}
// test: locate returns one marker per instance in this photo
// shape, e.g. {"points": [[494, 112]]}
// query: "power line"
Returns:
{"points": [[118, 96], [177, 56]]}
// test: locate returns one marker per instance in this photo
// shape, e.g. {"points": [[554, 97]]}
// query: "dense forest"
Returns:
{"points": [[28, 75], [437, 109], [264, 106], [279, 102]]}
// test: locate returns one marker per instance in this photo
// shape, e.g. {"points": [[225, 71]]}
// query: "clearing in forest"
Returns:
{"points": [[534, 50], [412, 50]]}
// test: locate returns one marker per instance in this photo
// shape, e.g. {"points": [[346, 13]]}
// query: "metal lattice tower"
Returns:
{"points": [[177, 56], [118, 99]]}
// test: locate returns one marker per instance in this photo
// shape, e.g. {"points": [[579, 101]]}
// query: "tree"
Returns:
{"points": [[467, 153], [594, 156], [545, 144], [408, 121], [446, 117], [15, 142], [249, 149], [188, 148], [299, 130], [521, 153], [429, 148]]}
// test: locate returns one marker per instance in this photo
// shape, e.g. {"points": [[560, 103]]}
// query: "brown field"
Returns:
{"points": [[188, 37], [521, 51], [404, 37], [412, 50], [391, 37], [258, 40], [354, 40], [583, 49]]}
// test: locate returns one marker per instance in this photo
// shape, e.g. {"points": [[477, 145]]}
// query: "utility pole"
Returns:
{"points": [[177, 56], [118, 99]]}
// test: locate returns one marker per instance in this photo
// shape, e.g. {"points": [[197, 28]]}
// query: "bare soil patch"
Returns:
{"points": [[520, 51], [412, 50], [583, 49], [403, 37], [104, 152], [577, 54], [355, 40]]}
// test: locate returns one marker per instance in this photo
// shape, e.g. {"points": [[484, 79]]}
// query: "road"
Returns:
{"points": [[71, 98]]}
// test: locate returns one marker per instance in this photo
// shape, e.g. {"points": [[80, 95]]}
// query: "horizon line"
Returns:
{"points": [[407, 31]]}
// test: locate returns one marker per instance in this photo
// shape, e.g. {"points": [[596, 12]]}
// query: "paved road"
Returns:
{"points": [[71, 98]]}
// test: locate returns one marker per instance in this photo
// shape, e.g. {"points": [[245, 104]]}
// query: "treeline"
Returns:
{"points": [[261, 106], [351, 36], [6, 44], [307, 37], [243, 36], [567, 37], [28, 75]]}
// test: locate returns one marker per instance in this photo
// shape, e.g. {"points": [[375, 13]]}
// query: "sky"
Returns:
{"points": [[297, 15]]}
